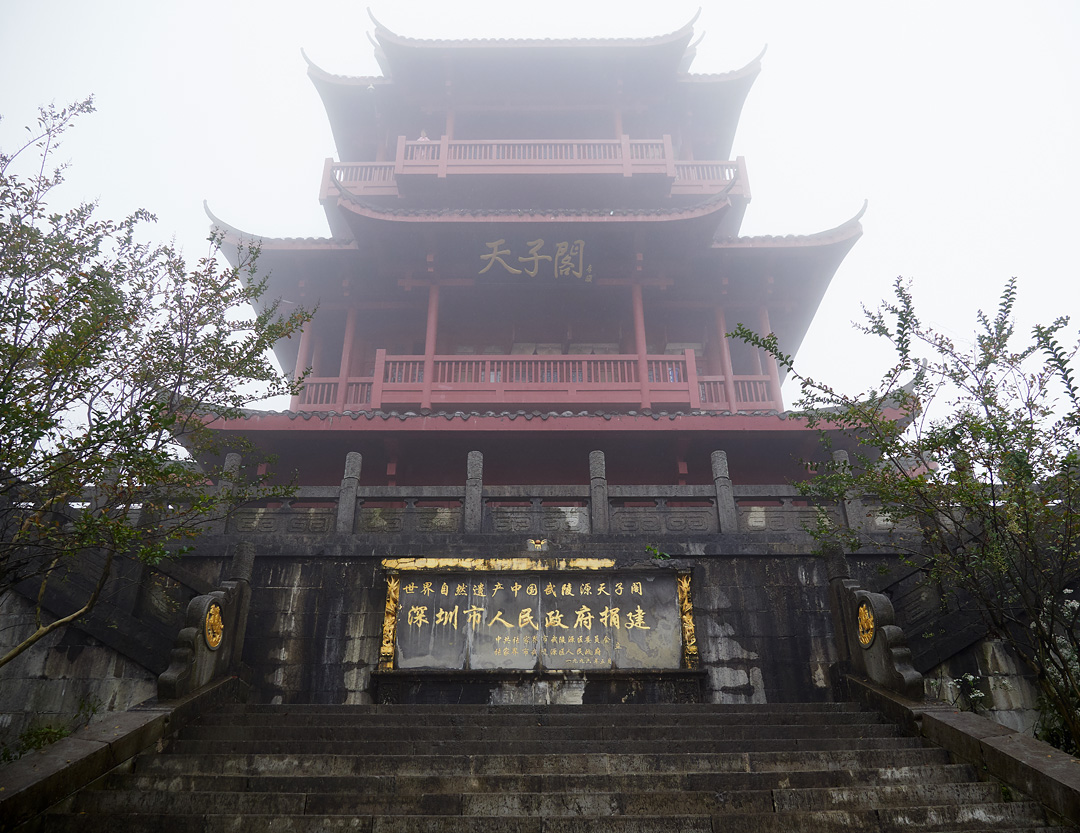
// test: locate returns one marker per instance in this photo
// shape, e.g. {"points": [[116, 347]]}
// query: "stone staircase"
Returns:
{"points": [[794, 768]]}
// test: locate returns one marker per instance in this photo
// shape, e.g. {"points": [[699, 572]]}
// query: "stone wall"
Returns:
{"points": [[763, 628], [64, 673], [313, 630], [989, 679], [317, 608]]}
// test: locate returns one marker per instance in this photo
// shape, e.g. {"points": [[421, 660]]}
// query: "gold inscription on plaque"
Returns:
{"points": [[500, 564], [866, 625], [567, 262], [214, 628], [386, 650], [689, 635]]}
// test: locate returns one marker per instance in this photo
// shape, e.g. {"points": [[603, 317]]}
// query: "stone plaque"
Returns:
{"points": [[538, 620]]}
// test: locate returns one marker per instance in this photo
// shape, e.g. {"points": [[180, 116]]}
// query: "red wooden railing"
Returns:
{"points": [[486, 156], [751, 393], [614, 380], [624, 156], [380, 178]]}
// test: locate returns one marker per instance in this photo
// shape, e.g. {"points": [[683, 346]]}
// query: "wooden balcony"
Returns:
{"points": [[623, 157], [579, 382]]}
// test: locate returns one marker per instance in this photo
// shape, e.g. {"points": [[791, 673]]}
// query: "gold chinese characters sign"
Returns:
{"points": [[562, 259], [532, 620]]}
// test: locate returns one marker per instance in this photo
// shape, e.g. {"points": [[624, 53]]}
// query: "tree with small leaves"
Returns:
{"points": [[116, 358], [974, 450]]}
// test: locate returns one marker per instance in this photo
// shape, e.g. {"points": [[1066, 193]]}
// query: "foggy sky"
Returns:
{"points": [[958, 120]]}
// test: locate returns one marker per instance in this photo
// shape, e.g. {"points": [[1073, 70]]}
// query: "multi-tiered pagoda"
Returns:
{"points": [[548, 228]]}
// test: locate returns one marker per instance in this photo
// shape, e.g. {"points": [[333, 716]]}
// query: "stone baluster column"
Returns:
{"points": [[346, 508], [725, 495], [598, 493], [474, 492], [854, 514], [230, 472]]}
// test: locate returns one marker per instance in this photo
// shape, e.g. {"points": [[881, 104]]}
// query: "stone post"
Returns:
{"points": [[243, 562], [240, 571], [725, 495], [346, 508], [839, 573], [598, 493], [474, 492], [229, 471], [868, 640], [211, 643], [854, 513]]}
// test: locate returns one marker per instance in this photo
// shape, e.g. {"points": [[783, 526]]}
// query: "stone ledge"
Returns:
{"points": [[40, 779], [1046, 774]]}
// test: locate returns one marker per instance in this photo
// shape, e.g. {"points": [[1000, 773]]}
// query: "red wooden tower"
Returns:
{"points": [[535, 253]]}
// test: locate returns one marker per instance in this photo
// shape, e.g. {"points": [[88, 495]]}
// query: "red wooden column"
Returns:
{"points": [[444, 154], [770, 363], [692, 381], [640, 346], [303, 359], [346, 357], [429, 343], [725, 360]]}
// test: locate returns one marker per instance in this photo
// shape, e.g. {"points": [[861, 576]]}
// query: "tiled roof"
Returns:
{"points": [[367, 209], [381, 33], [841, 232], [426, 413]]}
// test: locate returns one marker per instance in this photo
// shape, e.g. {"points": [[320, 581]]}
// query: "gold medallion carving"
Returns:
{"points": [[686, 611], [866, 625], [386, 649], [213, 627]]}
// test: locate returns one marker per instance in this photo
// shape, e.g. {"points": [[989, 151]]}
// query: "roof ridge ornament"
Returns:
{"points": [[227, 229]]}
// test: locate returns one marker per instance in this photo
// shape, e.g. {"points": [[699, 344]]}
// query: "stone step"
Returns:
{"points": [[520, 734], [546, 804], [1000, 818], [482, 769], [568, 719], [174, 763], [596, 708], [564, 782], [556, 746]]}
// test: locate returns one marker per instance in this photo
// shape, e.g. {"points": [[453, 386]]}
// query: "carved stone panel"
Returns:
{"points": [[637, 520], [392, 520], [538, 620], [432, 519], [380, 520], [292, 521], [780, 518], [537, 521]]}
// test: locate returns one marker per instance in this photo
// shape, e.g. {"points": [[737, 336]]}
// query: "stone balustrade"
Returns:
{"points": [[597, 507]]}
